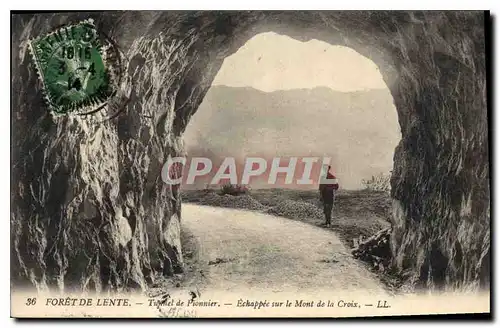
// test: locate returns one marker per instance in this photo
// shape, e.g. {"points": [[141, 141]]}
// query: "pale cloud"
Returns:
{"points": [[271, 62]]}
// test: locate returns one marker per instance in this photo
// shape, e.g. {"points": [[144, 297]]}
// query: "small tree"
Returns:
{"points": [[234, 189], [379, 182], [208, 188]]}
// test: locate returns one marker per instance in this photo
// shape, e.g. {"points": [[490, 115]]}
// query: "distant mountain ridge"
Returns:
{"points": [[359, 130]]}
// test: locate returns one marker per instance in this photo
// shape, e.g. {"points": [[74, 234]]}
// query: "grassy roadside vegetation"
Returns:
{"points": [[356, 213]]}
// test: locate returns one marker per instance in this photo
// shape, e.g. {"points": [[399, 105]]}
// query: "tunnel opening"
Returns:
{"points": [[281, 99]]}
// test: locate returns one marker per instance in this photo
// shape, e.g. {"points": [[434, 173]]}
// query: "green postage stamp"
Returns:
{"points": [[72, 66]]}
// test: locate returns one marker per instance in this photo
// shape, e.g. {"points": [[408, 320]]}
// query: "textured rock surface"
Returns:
{"points": [[90, 211]]}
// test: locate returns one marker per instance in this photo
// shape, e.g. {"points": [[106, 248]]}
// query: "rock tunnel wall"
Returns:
{"points": [[89, 209]]}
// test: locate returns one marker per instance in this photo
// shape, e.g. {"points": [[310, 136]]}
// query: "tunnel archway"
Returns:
{"points": [[433, 63], [277, 96]]}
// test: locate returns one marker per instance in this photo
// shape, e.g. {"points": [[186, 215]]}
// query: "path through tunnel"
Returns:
{"points": [[280, 97]]}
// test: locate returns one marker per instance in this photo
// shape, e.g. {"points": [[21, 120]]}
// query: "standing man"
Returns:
{"points": [[327, 188]]}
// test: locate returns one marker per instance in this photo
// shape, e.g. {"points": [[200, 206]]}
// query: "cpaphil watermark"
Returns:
{"points": [[273, 171]]}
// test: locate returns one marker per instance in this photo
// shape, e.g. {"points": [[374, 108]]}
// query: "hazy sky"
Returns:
{"points": [[270, 62]]}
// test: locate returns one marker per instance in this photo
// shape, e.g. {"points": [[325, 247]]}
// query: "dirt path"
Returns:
{"points": [[242, 250]]}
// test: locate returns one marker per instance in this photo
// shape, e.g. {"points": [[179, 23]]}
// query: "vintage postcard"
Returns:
{"points": [[242, 164]]}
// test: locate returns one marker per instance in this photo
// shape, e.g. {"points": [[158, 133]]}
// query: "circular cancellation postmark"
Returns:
{"points": [[78, 68]]}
